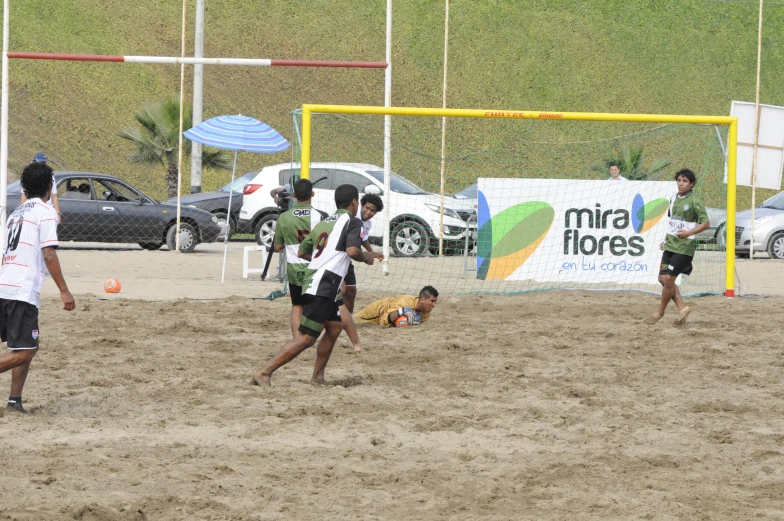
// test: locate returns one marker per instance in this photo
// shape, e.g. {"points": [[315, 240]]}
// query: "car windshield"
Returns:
{"points": [[397, 183], [468, 192], [776, 202], [239, 183]]}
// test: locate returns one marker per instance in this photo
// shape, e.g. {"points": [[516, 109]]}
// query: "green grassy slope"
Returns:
{"points": [[654, 56]]}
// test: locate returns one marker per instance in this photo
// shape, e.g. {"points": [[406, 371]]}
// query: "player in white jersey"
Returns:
{"points": [[31, 241], [40, 157], [371, 204], [329, 247]]}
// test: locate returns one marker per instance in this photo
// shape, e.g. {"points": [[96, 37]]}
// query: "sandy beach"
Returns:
{"points": [[551, 405]]}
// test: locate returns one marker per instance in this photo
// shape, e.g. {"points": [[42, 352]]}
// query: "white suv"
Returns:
{"points": [[414, 212]]}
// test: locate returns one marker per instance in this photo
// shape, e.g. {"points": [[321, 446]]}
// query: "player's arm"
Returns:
{"points": [[369, 248], [702, 219], [53, 265], [400, 307], [277, 240], [354, 243], [306, 247]]}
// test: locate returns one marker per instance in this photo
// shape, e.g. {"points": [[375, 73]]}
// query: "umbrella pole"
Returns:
{"points": [[228, 218]]}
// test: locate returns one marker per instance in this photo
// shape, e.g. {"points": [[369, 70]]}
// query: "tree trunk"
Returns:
{"points": [[171, 180]]}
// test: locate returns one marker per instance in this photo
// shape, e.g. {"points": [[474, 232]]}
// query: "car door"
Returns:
{"points": [[78, 209], [127, 215]]}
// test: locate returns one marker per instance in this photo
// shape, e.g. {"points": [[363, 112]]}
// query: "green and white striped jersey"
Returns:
{"points": [[291, 229], [327, 243]]}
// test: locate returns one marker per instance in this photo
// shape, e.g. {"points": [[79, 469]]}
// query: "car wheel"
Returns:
{"points": [[265, 230], [776, 246], [410, 239], [152, 246], [188, 237], [221, 216]]}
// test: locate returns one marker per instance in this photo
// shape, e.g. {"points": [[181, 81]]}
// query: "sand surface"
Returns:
{"points": [[553, 405]]}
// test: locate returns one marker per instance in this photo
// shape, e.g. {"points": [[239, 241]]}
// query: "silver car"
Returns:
{"points": [[768, 228]]}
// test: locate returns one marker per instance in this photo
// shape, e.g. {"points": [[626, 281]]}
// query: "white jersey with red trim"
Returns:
{"points": [[366, 225], [31, 227]]}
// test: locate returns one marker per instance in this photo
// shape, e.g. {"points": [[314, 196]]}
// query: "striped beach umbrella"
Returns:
{"points": [[237, 133]]}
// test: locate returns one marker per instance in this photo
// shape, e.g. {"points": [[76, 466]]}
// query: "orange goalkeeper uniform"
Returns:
{"points": [[379, 310]]}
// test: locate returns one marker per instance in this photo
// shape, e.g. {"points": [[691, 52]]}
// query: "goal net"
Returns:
{"points": [[523, 201]]}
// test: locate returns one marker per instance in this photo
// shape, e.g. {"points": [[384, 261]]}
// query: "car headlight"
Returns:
{"points": [[191, 206], [214, 219], [759, 221], [447, 211]]}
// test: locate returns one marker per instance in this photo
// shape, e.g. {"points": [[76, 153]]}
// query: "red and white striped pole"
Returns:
{"points": [[259, 62], [126, 59]]}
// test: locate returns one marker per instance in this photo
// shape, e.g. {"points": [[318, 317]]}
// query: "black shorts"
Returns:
{"points": [[675, 263], [318, 311], [18, 324], [351, 278], [295, 292]]}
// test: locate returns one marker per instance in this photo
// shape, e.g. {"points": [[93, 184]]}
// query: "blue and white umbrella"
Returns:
{"points": [[237, 133]]}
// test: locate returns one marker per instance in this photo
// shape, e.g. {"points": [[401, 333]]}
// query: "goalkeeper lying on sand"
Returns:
{"points": [[402, 311]]}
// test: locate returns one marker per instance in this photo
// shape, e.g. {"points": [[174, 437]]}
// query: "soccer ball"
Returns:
{"points": [[401, 321], [112, 286]]}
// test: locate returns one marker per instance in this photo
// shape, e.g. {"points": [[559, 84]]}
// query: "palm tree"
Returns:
{"points": [[157, 140], [629, 161]]}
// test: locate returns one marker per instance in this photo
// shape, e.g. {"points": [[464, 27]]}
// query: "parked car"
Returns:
{"points": [[103, 208], [414, 212], [468, 198], [217, 203], [768, 229]]}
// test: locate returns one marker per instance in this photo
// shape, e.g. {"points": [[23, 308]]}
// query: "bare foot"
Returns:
{"points": [[259, 378], [318, 381], [358, 348], [684, 314], [654, 318]]}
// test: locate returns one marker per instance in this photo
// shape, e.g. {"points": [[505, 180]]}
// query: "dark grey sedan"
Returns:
{"points": [[217, 203], [103, 208]]}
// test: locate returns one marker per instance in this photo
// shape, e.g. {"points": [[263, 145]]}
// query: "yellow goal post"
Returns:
{"points": [[732, 122]]}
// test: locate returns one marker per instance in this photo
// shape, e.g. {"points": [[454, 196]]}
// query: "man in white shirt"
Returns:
{"points": [[615, 173], [40, 157], [31, 241], [370, 205]]}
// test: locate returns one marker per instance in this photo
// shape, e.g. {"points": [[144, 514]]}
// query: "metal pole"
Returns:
{"points": [[756, 135], [443, 138], [4, 129], [198, 96], [387, 139], [228, 221], [179, 137]]}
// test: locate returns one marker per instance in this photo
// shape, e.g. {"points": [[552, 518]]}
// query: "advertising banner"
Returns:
{"points": [[592, 232]]}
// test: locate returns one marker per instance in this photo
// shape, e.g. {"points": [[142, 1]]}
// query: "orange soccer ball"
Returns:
{"points": [[401, 321], [112, 286]]}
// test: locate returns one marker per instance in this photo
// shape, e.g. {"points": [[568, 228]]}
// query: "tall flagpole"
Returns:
{"points": [[756, 135], [4, 129], [179, 137], [443, 137], [387, 138]]}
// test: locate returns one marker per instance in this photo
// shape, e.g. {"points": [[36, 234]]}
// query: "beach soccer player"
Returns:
{"points": [[402, 311], [31, 242], [329, 247], [687, 218], [292, 228], [371, 204]]}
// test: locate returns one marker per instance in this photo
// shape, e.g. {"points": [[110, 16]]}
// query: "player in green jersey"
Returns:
{"points": [[291, 229], [687, 218]]}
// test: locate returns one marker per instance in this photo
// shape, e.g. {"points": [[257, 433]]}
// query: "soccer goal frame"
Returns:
{"points": [[731, 121]]}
